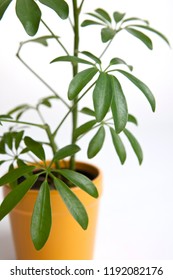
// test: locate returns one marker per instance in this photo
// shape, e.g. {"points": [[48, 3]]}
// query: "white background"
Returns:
{"points": [[136, 212]]}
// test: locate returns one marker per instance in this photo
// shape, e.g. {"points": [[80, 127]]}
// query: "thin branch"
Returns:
{"points": [[56, 38], [105, 49], [23, 122], [80, 7], [39, 78], [71, 109]]}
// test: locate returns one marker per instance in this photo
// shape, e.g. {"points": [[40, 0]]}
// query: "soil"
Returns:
{"points": [[41, 178]]}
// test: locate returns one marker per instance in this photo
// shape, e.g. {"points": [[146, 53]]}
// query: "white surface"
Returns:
{"points": [[136, 220]]}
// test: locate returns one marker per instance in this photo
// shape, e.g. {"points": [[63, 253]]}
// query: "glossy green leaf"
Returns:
{"points": [[102, 96], [118, 16], [152, 30], [96, 143], [73, 204], [103, 14], [107, 34], [118, 105], [3, 6], [41, 218], [14, 174], [80, 81], [59, 6], [18, 138], [29, 14], [35, 147], [80, 181], [72, 59], [16, 195], [143, 87], [119, 146], [84, 128], [132, 119], [92, 56], [117, 60], [88, 22], [135, 145], [66, 152], [141, 36], [88, 111]]}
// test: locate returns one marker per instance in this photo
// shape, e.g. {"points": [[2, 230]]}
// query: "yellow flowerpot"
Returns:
{"points": [[67, 240]]}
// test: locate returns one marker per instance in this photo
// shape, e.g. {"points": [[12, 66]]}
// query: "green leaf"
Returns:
{"points": [[72, 59], [5, 117], [88, 111], [18, 138], [117, 60], [3, 6], [99, 17], [132, 119], [107, 34], [102, 96], [2, 161], [92, 56], [8, 139], [103, 14], [35, 147], [2, 147], [73, 204], [29, 14], [84, 128], [143, 87], [16, 195], [80, 181], [66, 152], [80, 81], [59, 6], [118, 105], [153, 30], [134, 19], [14, 174], [118, 16], [88, 22], [119, 146], [135, 145], [41, 218], [42, 40], [18, 108], [96, 143], [141, 36]]}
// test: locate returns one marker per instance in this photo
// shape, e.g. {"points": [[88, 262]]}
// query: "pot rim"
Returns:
{"points": [[96, 170]]}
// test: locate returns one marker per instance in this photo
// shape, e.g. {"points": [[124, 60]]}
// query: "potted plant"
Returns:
{"points": [[46, 196]]}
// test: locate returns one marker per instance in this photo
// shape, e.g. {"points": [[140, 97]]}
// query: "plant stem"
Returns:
{"points": [[56, 38], [39, 78], [106, 48], [52, 143], [71, 109], [23, 122], [75, 71], [80, 7]]}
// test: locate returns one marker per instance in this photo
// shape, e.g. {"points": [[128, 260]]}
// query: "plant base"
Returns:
{"points": [[67, 240]]}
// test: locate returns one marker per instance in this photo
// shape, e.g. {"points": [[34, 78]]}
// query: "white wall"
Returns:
{"points": [[136, 210]]}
